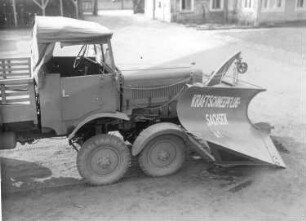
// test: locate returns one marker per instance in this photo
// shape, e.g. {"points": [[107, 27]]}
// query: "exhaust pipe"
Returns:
{"points": [[8, 140]]}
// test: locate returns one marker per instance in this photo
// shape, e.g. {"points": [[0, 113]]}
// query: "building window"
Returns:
{"points": [[186, 5], [273, 5], [300, 5], [248, 4], [216, 5]]}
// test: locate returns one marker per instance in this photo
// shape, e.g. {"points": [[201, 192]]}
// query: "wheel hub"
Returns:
{"points": [[104, 161], [164, 155]]}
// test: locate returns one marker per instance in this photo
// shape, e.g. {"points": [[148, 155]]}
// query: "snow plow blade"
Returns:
{"points": [[218, 116]]}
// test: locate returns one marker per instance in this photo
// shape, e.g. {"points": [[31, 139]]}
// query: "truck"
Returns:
{"points": [[158, 112]]}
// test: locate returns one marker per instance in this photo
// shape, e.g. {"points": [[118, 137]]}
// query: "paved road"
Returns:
{"points": [[276, 60]]}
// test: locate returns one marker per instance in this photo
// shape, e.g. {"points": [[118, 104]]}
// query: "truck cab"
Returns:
{"points": [[76, 76]]}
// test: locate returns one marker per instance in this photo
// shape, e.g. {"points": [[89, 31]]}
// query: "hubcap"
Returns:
{"points": [[162, 153], [104, 161]]}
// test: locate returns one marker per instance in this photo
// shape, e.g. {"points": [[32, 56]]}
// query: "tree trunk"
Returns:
{"points": [[95, 8]]}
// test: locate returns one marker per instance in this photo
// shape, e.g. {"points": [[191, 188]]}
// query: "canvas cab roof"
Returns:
{"points": [[68, 30], [49, 30]]}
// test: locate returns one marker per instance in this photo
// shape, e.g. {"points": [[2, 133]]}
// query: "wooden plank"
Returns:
{"points": [[14, 69], [20, 64], [13, 78], [17, 88], [16, 93], [12, 74], [19, 100], [15, 75], [23, 96], [16, 81], [24, 71], [14, 59], [16, 101]]}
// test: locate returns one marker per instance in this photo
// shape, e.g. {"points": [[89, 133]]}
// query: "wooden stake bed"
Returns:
{"points": [[17, 93]]}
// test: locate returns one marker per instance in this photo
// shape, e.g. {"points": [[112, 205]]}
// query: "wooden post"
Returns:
{"points": [[4, 69], [3, 94], [30, 70], [61, 8], [14, 11], [8, 66]]}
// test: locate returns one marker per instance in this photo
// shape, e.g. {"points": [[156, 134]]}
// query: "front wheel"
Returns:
{"points": [[163, 155], [103, 159]]}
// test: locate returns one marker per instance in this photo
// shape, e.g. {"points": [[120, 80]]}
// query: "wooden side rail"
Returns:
{"points": [[15, 68], [16, 91]]}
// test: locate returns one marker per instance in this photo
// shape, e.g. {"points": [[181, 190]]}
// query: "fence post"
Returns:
{"points": [[2, 86], [4, 67]]}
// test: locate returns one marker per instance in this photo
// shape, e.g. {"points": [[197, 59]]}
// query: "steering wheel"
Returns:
{"points": [[80, 57]]}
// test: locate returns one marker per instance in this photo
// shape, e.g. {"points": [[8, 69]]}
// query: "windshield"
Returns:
{"points": [[99, 52]]}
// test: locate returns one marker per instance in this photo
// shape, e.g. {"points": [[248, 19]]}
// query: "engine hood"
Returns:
{"points": [[155, 77]]}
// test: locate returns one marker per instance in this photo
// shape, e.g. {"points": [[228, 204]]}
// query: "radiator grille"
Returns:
{"points": [[158, 92]]}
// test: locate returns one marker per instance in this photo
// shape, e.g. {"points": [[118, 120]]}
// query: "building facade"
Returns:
{"points": [[251, 12]]}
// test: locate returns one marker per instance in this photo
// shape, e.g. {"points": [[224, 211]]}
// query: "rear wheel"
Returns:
{"points": [[103, 159], [163, 155]]}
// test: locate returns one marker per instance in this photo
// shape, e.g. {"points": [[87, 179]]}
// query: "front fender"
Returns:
{"points": [[117, 115]]}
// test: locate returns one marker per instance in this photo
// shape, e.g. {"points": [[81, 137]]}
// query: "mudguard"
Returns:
{"points": [[219, 116], [117, 115]]}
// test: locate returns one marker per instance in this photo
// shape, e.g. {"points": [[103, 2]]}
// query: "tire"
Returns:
{"points": [[103, 159], [163, 155]]}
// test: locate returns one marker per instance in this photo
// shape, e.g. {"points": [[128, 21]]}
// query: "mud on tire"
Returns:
{"points": [[103, 159]]}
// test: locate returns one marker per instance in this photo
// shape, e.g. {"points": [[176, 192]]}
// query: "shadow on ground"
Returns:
{"points": [[20, 175]]}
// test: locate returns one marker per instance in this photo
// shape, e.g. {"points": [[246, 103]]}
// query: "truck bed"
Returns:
{"points": [[17, 92]]}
